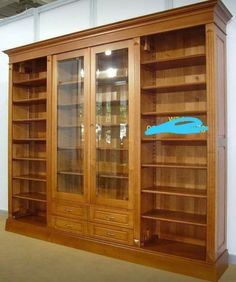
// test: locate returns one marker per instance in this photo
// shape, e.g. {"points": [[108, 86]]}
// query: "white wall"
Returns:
{"points": [[13, 34], [82, 14]]}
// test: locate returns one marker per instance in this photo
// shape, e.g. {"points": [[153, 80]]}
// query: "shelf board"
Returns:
{"points": [[117, 176], [71, 148], [176, 216], [113, 124], [29, 120], [120, 80], [170, 247], [70, 126], [31, 82], [71, 173], [70, 105], [168, 139], [175, 87], [33, 219], [32, 177], [29, 159], [30, 101], [176, 191], [70, 82], [113, 101], [32, 196], [175, 113], [175, 165], [27, 140], [175, 62], [111, 149]]}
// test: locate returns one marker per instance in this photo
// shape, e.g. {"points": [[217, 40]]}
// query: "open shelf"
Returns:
{"points": [[173, 165], [31, 82], [176, 191], [176, 216], [30, 101], [28, 140], [177, 249], [32, 177], [175, 87], [29, 120], [175, 62], [33, 219], [32, 196], [29, 159]]}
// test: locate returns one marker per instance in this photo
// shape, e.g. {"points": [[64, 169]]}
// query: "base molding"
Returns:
{"points": [[198, 269]]}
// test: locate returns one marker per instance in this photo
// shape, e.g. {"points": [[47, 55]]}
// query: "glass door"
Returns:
{"points": [[70, 124], [110, 133]]}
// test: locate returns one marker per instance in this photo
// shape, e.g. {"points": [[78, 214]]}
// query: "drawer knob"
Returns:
{"points": [[110, 234], [110, 217], [68, 210]]}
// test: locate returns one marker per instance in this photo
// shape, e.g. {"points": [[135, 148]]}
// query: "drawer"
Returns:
{"points": [[111, 217], [111, 233], [70, 211], [78, 227]]}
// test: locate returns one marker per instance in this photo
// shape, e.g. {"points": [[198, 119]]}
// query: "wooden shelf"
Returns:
{"points": [[70, 173], [33, 219], [175, 87], [28, 140], [177, 249], [69, 126], [169, 139], [117, 176], [70, 105], [111, 149], [29, 159], [175, 165], [29, 120], [30, 101], [176, 216], [32, 196], [32, 177], [113, 124], [31, 82], [70, 82], [71, 148], [176, 191], [175, 62], [113, 80], [174, 113]]}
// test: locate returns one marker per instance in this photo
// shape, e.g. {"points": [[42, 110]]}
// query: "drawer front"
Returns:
{"points": [[111, 217], [70, 225], [79, 212], [109, 233]]}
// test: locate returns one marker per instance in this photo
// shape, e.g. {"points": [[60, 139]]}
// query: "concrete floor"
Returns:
{"points": [[23, 259]]}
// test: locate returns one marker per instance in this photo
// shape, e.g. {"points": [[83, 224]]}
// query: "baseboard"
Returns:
{"points": [[3, 212], [232, 259]]}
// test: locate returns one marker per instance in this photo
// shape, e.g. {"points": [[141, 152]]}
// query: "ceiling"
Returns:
{"points": [[12, 7]]}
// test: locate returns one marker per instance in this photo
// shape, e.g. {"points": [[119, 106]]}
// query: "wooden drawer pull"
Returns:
{"points": [[69, 225], [110, 234], [110, 217], [68, 210]]}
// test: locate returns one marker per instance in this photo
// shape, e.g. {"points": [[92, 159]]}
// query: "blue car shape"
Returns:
{"points": [[182, 125]]}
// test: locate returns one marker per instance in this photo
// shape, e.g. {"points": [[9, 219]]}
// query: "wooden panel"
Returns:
{"points": [[106, 216], [111, 233], [77, 227]]}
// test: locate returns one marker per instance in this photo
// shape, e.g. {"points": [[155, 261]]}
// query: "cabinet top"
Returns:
{"points": [[212, 11]]}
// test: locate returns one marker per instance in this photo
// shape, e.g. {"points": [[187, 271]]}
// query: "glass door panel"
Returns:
{"points": [[70, 165], [111, 67]]}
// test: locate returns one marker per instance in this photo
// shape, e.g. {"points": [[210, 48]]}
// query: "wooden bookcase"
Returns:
{"points": [[81, 170]]}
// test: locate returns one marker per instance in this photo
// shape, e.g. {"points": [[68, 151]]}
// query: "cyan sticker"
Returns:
{"points": [[180, 125]]}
